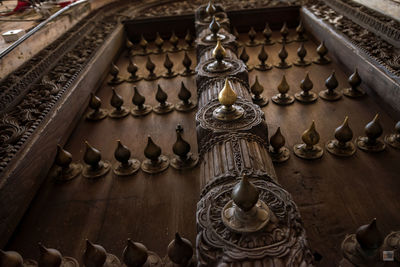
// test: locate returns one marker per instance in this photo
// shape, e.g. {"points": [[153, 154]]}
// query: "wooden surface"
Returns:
{"points": [[145, 208], [335, 195]]}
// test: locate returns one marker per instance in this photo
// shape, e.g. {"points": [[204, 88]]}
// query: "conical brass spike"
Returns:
{"points": [[342, 146], [63, 158], [97, 113], [132, 69], [331, 84], [187, 62], [125, 165], [161, 96], [180, 250], [140, 108], [95, 102], [143, 43], [11, 259], [49, 257], [214, 27], [227, 96], [135, 254], [301, 53], [267, 33], [344, 133], [150, 65], [184, 94], [168, 64], [114, 70], [310, 137], [189, 38], [283, 54], [369, 237], [310, 149], [94, 255], [116, 100], [181, 148], [69, 170], [262, 56], [283, 87], [245, 194], [128, 44], [138, 99], [370, 142], [300, 32], [163, 106], [159, 42], [210, 9], [244, 56], [322, 51], [277, 150], [355, 81], [92, 156], [219, 51], [174, 40], [95, 166], [306, 96], [306, 84], [283, 98], [277, 140], [257, 89], [152, 151], [155, 162], [252, 35], [122, 153]]}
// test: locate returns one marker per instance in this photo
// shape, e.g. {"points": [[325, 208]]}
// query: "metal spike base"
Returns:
{"points": [[303, 152], [330, 96], [270, 42], [118, 114], [306, 98], [90, 173], [281, 156], [117, 81], [189, 163], [72, 172], [232, 113], [151, 77], [301, 39], [132, 167], [302, 63], [263, 67], [335, 148], [182, 107], [393, 140], [155, 167], [287, 41], [260, 101], [363, 144], [170, 75], [136, 112], [186, 73], [94, 115], [282, 99], [322, 61], [163, 109], [283, 65], [353, 93], [252, 44], [134, 79]]}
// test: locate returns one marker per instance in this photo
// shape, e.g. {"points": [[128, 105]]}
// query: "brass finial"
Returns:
{"points": [[257, 90], [277, 150], [163, 107], [342, 146], [96, 113], [252, 36], [245, 213], [210, 9], [11, 259], [174, 40], [394, 138], [132, 69], [244, 56], [267, 33], [184, 159], [94, 255], [322, 51], [187, 62], [143, 43], [330, 94], [128, 45], [125, 165], [262, 57], [228, 111], [180, 251], [214, 27], [369, 237], [189, 39], [309, 149], [140, 109], [119, 110], [283, 54], [219, 65], [185, 104], [355, 81], [95, 167], [168, 64], [159, 42], [114, 71], [370, 142], [219, 52], [49, 257], [150, 67], [300, 33], [134, 254], [283, 98], [68, 170], [306, 95], [301, 53], [284, 33], [155, 162]]}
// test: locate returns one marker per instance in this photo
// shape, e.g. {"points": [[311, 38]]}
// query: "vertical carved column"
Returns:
{"points": [[230, 149]]}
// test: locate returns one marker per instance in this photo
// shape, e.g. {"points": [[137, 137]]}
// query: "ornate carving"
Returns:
{"points": [[283, 239], [381, 51]]}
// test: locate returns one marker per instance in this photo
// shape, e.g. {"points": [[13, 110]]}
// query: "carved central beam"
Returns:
{"points": [[244, 216]]}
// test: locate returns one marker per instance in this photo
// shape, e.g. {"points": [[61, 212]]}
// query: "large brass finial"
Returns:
{"points": [[309, 149], [219, 65], [219, 51], [228, 111], [245, 213]]}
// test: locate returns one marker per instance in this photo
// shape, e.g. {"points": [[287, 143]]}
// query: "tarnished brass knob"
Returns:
{"points": [[306, 95], [309, 149], [180, 250], [342, 146], [135, 254], [330, 94], [322, 51]]}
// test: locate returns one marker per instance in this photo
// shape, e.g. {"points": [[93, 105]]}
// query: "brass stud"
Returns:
{"points": [[301, 53], [355, 81], [394, 138], [257, 89], [189, 40], [163, 107], [94, 255], [330, 94], [11, 259], [283, 98], [283, 54], [277, 150], [132, 69], [168, 64], [96, 113], [49, 257], [135, 254], [252, 36], [322, 51], [150, 66], [342, 145], [228, 111], [174, 40], [184, 159], [236, 34], [119, 110], [67, 170], [284, 33], [301, 33], [143, 44], [369, 237], [180, 251], [155, 162], [309, 149], [125, 165], [95, 167], [370, 142], [159, 42], [262, 57], [306, 95], [185, 105], [267, 33], [187, 62], [140, 108], [114, 71], [219, 65], [245, 57]]}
